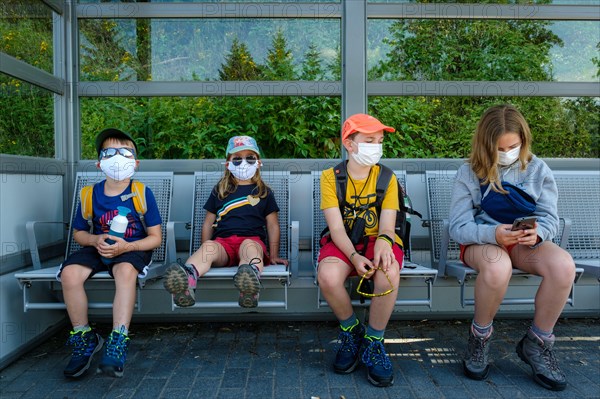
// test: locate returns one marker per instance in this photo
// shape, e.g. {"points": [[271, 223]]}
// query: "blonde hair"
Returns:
{"points": [[495, 122], [228, 183]]}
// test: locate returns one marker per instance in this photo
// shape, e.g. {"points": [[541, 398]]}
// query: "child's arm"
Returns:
{"points": [[340, 238], [383, 255], [274, 236], [86, 239], [207, 226], [120, 246]]}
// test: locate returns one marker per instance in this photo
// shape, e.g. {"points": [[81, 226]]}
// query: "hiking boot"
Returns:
{"points": [[85, 345], [346, 358], [379, 368], [246, 280], [475, 363], [537, 352], [180, 281], [115, 353]]}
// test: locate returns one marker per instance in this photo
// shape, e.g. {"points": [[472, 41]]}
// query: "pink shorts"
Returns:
{"points": [[232, 244], [328, 248], [463, 249]]}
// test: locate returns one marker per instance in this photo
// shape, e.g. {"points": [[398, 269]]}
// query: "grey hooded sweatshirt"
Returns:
{"points": [[469, 224]]}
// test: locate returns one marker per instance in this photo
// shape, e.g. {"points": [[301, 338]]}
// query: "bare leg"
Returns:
{"points": [[382, 307], [249, 250], [125, 293], [332, 277], [495, 269], [73, 278], [557, 269], [210, 253]]}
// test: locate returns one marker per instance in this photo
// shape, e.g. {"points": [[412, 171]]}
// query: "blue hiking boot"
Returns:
{"points": [[85, 345], [380, 372], [180, 281], [346, 358], [115, 353]]}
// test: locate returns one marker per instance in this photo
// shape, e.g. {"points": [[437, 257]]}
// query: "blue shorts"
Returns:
{"points": [[89, 257]]}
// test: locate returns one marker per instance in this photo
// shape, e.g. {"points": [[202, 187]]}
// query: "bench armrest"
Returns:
{"points": [[564, 238], [294, 247], [171, 242], [32, 240], [445, 242]]}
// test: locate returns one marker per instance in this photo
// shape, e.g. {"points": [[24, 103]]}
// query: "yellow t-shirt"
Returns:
{"points": [[366, 189]]}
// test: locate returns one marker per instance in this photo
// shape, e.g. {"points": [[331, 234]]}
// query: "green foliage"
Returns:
{"points": [[293, 126]]}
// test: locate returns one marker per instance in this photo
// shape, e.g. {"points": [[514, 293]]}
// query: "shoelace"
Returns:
{"points": [[550, 359], [347, 342], [375, 354], [117, 343], [476, 347], [80, 346]]}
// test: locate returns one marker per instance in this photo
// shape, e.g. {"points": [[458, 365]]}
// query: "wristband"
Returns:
{"points": [[386, 238], [352, 255]]}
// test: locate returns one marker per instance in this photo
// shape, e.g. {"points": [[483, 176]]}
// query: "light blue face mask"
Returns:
{"points": [[508, 157]]}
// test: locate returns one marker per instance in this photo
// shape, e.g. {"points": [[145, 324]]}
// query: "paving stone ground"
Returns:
{"points": [[293, 360]]}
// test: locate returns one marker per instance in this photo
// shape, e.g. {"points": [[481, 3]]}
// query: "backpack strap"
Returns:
{"points": [[138, 194], [87, 209]]}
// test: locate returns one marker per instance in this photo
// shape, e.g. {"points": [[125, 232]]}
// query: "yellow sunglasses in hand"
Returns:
{"points": [[369, 295]]}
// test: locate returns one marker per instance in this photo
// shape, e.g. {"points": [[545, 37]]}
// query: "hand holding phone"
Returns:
{"points": [[524, 223]]}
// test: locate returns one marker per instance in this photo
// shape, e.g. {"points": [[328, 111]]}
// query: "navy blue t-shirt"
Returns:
{"points": [[241, 213], [105, 209]]}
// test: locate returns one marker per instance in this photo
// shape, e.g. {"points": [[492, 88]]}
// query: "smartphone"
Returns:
{"points": [[527, 222]]}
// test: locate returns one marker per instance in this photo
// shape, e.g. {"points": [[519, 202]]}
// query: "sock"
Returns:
{"points": [[194, 271], [121, 329], [374, 334], [349, 323], [482, 331], [540, 333], [84, 329]]}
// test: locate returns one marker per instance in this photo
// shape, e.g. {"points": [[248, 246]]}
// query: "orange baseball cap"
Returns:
{"points": [[363, 123]]}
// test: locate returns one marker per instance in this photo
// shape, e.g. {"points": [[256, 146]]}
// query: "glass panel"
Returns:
{"points": [[26, 32], [26, 120], [483, 50], [442, 127], [523, 2], [208, 49], [199, 127], [208, 1]]}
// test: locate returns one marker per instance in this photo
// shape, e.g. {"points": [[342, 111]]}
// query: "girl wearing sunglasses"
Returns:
{"points": [[240, 213]]}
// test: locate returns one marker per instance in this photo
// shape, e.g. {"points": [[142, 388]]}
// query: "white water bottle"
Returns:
{"points": [[117, 227]]}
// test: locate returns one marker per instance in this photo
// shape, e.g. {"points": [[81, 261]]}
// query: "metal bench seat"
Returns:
{"points": [[579, 201], [445, 253], [275, 278], [410, 269], [160, 183]]}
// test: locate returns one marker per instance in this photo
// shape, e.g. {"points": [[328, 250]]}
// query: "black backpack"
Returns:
{"points": [[402, 227]]}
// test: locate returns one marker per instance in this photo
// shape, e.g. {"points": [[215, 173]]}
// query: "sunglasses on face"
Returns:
{"points": [[237, 161], [111, 152]]}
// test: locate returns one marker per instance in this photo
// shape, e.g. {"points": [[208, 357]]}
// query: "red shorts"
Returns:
{"points": [[463, 249], [328, 248], [232, 244]]}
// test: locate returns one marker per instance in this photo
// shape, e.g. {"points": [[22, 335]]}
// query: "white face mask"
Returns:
{"points": [[118, 167], [244, 171], [368, 154], [508, 157]]}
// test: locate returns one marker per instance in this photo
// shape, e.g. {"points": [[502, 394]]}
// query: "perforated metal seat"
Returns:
{"points": [[410, 269], [161, 184], [445, 253], [273, 276], [579, 201]]}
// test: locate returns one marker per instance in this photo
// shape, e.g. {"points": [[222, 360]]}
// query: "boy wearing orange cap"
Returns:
{"points": [[376, 254]]}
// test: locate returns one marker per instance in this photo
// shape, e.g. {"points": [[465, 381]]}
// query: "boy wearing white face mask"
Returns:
{"points": [[125, 259], [501, 159], [240, 213], [379, 248]]}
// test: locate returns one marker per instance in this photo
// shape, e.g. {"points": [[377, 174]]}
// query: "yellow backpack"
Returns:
{"points": [[138, 193]]}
